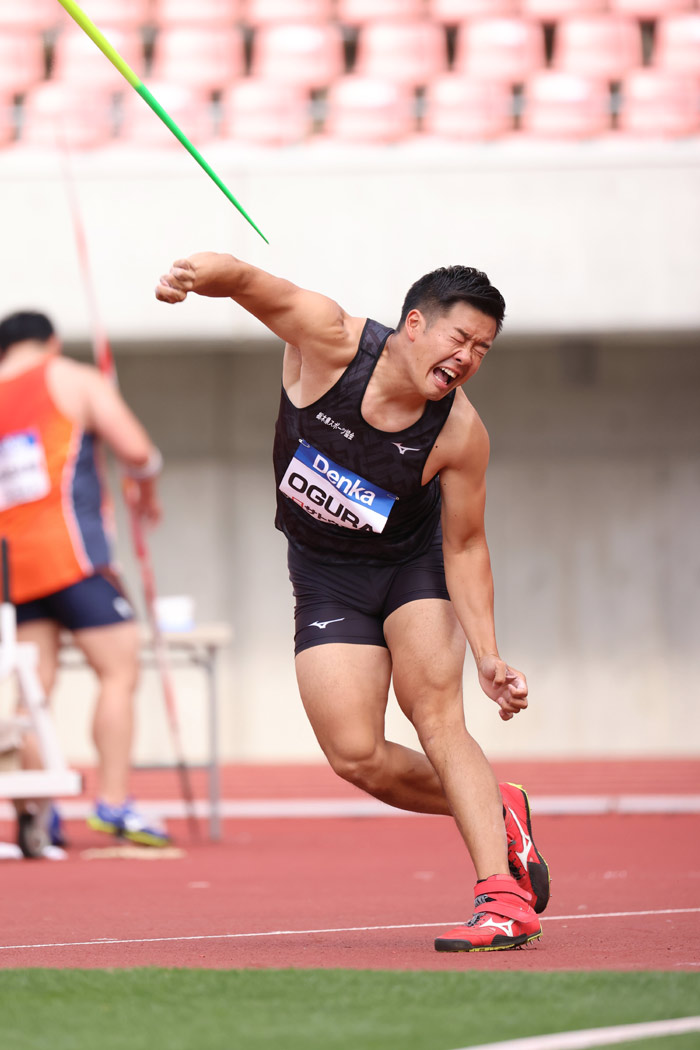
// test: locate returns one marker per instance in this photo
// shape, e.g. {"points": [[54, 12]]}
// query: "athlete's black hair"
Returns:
{"points": [[435, 293], [25, 324]]}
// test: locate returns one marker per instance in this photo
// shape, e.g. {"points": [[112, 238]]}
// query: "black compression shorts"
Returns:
{"points": [[350, 602]]}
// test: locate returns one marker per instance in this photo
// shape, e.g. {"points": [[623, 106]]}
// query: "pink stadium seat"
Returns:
{"points": [[204, 58], [650, 9], [310, 56], [459, 107], [658, 102], [359, 12], [7, 129], [408, 53], [65, 115], [553, 10], [30, 14], [196, 12], [451, 12], [678, 44], [604, 46], [565, 105], [265, 112], [507, 49], [120, 14], [370, 111], [21, 61], [267, 12], [76, 60], [188, 107]]}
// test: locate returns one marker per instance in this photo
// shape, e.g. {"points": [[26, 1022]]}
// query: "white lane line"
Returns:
{"points": [[291, 808], [581, 1040], [339, 929]]}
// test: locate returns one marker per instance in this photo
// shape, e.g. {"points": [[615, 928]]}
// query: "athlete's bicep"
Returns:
{"points": [[109, 416], [463, 490], [305, 319]]}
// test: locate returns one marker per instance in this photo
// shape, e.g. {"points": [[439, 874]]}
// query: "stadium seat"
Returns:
{"points": [[204, 58], [306, 55], [507, 49], [188, 107], [359, 12], [658, 102], [169, 13], [452, 12], [604, 46], [650, 10], [7, 127], [268, 12], [37, 15], [265, 112], [678, 44], [565, 105], [553, 10], [408, 53], [462, 108], [59, 115], [21, 61], [120, 14], [76, 60], [369, 111]]}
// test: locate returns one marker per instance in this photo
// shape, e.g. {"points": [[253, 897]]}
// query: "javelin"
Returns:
{"points": [[79, 16], [105, 361]]}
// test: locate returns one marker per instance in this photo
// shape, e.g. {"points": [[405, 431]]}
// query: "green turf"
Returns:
{"points": [[155, 1009]]}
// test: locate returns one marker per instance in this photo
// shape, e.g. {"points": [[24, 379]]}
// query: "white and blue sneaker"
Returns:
{"points": [[127, 822]]}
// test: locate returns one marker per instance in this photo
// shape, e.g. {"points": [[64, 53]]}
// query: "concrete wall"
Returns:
{"points": [[592, 237], [591, 397]]}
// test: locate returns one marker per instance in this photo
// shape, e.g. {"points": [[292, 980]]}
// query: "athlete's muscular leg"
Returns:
{"points": [[112, 652], [344, 690], [427, 646], [45, 635]]}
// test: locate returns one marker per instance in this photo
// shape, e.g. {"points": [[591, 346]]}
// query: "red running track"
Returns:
{"points": [[327, 892]]}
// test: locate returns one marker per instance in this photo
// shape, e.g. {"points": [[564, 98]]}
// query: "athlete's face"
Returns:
{"points": [[449, 348]]}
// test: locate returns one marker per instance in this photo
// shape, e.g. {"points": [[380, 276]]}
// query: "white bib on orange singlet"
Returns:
{"points": [[24, 477]]}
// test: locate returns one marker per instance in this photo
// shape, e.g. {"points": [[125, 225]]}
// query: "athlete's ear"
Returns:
{"points": [[53, 345], [414, 324]]}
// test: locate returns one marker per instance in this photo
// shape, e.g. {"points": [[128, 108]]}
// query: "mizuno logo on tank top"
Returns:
{"points": [[405, 448], [334, 494]]}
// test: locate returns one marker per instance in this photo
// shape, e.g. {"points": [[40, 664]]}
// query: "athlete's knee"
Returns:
{"points": [[365, 767], [438, 722], [124, 675]]}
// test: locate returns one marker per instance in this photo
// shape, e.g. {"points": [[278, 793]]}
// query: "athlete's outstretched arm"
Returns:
{"points": [[305, 319], [468, 564]]}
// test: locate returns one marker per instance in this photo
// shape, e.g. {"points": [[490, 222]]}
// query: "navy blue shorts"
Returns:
{"points": [[350, 602], [97, 601]]}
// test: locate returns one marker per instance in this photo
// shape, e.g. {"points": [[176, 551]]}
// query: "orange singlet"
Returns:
{"points": [[51, 498]]}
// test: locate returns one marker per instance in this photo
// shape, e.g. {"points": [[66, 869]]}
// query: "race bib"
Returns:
{"points": [[334, 494], [24, 476]]}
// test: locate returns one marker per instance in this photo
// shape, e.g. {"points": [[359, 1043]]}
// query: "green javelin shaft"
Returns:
{"points": [[127, 72]]}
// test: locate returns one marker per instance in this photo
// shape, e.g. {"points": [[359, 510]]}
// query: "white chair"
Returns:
{"points": [[565, 106], [376, 112], [466, 109]]}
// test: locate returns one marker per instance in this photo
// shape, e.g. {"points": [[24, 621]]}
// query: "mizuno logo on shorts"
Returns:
{"points": [[122, 608], [324, 623], [334, 494]]}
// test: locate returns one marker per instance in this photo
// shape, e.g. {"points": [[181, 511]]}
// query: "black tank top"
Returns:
{"points": [[346, 491]]}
